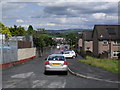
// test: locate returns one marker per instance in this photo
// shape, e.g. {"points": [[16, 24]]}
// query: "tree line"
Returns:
{"points": [[40, 37]]}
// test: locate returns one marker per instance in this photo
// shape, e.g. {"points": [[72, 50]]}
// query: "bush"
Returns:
{"points": [[103, 55], [89, 53]]}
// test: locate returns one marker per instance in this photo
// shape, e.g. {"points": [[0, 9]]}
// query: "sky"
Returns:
{"points": [[61, 14]]}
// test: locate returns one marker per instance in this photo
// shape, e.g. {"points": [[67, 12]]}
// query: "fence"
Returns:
{"points": [[8, 53], [24, 44]]}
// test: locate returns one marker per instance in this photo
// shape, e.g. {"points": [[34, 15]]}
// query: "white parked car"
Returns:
{"points": [[69, 54], [56, 62]]}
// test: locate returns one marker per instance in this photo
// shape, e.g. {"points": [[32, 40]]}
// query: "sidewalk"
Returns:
{"points": [[90, 71]]}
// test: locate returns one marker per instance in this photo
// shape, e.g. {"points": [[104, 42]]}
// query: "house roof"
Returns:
{"points": [[107, 32], [87, 35]]}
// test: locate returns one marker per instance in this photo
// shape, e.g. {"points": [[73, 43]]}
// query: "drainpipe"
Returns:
{"points": [[110, 46]]}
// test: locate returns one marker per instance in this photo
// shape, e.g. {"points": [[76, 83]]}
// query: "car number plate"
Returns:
{"points": [[56, 64]]}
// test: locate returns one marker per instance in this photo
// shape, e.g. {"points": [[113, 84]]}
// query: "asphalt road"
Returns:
{"points": [[31, 75]]}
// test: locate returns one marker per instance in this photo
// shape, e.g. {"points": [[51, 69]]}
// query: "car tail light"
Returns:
{"points": [[65, 63], [47, 62]]}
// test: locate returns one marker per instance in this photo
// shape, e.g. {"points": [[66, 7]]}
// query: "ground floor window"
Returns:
{"points": [[115, 53]]}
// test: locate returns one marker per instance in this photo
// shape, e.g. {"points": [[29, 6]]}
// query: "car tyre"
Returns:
{"points": [[73, 57], [65, 72], [46, 72]]}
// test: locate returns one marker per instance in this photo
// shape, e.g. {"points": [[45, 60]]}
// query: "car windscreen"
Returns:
{"points": [[59, 58]]}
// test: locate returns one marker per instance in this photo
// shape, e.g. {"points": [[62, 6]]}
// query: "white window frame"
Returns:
{"points": [[87, 41], [105, 41], [115, 52], [116, 43]]}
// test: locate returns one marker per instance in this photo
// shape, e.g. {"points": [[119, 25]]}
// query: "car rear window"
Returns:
{"points": [[58, 58]]}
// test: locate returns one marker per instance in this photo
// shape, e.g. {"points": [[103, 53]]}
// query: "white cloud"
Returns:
{"points": [[46, 24], [50, 24], [19, 21], [99, 15], [25, 26], [57, 15], [62, 0], [114, 18]]}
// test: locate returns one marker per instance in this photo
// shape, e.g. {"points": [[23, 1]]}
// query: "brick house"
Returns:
{"points": [[85, 41], [106, 38]]}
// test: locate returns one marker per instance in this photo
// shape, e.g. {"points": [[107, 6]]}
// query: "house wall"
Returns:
{"points": [[80, 43], [88, 44], [102, 47], [107, 47]]}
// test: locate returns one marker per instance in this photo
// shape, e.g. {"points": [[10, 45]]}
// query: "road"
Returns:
{"points": [[31, 75]]}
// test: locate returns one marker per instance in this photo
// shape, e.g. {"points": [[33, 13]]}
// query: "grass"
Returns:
{"points": [[107, 64]]}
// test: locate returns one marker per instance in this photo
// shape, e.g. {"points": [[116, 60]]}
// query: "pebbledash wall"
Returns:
{"points": [[26, 53]]}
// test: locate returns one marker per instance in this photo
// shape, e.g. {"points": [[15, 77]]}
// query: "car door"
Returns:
{"points": [[67, 54]]}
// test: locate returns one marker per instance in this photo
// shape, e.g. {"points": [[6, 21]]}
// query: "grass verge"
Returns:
{"points": [[107, 64]]}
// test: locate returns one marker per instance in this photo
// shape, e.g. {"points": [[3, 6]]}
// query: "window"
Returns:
{"points": [[105, 42], [60, 58], [116, 43], [115, 53], [88, 48], [87, 41], [66, 52]]}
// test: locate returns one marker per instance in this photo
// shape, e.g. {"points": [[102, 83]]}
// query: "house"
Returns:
{"points": [[106, 38], [85, 41], [80, 39]]}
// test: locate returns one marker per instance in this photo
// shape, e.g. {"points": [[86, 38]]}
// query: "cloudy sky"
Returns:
{"points": [[60, 14]]}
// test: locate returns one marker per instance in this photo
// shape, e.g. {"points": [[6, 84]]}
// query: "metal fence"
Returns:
{"points": [[9, 52]]}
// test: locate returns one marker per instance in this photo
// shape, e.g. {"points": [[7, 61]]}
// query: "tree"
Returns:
{"points": [[5, 30], [30, 30], [71, 39], [17, 31]]}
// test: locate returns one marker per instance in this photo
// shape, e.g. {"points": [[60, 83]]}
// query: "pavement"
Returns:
{"points": [[91, 72]]}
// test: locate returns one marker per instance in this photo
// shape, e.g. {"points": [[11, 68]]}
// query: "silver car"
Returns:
{"points": [[56, 62]]}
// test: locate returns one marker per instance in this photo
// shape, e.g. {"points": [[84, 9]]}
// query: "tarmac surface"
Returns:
{"points": [[31, 75]]}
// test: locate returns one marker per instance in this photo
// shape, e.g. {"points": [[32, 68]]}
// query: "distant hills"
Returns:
{"points": [[66, 31]]}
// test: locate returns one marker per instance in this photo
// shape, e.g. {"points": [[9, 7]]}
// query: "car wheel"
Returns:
{"points": [[46, 72], [65, 72], [73, 56]]}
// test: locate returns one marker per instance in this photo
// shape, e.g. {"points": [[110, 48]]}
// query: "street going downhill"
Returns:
{"points": [[31, 75]]}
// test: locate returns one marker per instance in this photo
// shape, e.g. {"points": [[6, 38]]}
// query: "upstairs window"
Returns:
{"points": [[105, 42], [116, 42], [87, 41]]}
